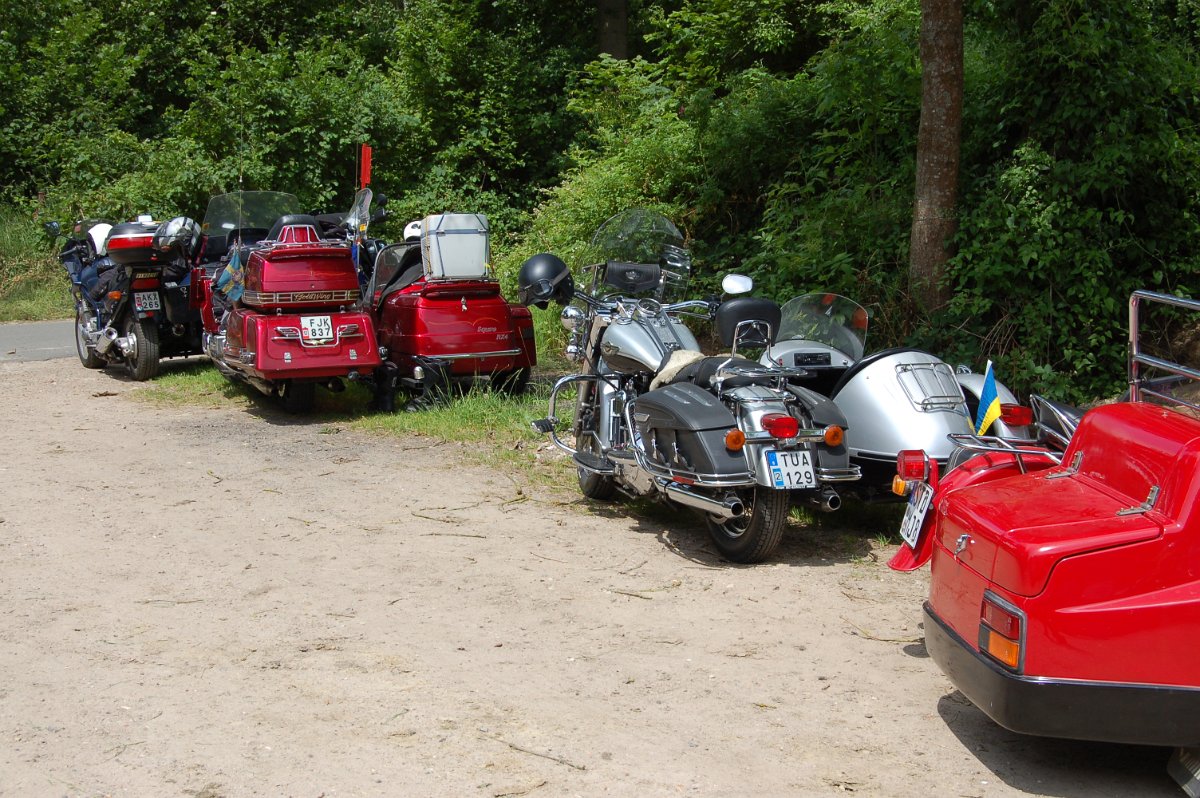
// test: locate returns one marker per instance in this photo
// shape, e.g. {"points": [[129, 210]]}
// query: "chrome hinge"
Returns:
{"points": [[1145, 506]]}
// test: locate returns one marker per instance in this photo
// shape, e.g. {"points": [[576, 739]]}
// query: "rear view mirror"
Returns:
{"points": [[737, 284]]}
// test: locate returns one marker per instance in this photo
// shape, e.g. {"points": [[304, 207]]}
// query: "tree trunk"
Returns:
{"points": [[934, 216], [613, 27]]}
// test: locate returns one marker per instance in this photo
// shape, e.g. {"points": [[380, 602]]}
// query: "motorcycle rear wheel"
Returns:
{"points": [[753, 536], [142, 360], [87, 355]]}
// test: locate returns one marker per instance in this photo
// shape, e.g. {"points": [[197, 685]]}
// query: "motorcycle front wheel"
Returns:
{"points": [[754, 535], [141, 361], [87, 355]]}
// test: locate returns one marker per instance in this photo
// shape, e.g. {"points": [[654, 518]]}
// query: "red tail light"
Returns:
{"points": [[1016, 415], [780, 425], [1001, 630], [912, 464]]}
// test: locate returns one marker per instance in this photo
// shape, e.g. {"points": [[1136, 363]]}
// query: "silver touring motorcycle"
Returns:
{"points": [[653, 417]]}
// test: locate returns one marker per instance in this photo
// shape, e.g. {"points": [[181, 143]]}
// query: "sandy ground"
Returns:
{"points": [[229, 603]]}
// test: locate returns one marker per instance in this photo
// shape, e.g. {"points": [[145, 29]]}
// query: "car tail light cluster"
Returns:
{"points": [[1001, 631]]}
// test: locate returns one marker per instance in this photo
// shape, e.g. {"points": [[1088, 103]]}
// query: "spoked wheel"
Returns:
{"points": [[87, 355], [512, 381], [754, 535], [141, 361], [298, 397]]}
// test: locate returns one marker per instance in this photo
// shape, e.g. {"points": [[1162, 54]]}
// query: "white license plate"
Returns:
{"points": [[914, 514], [316, 328], [146, 300], [791, 469]]}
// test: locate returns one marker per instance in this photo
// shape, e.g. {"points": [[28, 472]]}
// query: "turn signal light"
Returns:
{"points": [[735, 439], [834, 435], [781, 425], [1001, 630], [900, 485], [1016, 415], [912, 464]]}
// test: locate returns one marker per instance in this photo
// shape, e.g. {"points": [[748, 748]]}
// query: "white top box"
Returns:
{"points": [[454, 246]]}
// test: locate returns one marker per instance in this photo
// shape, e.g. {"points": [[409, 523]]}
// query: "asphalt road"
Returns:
{"points": [[37, 340]]}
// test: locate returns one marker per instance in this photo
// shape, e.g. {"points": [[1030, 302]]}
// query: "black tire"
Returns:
{"points": [[298, 397], [87, 355], [594, 486], [753, 536], [142, 360], [512, 381]]}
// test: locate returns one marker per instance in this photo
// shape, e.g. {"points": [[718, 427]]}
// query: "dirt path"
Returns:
{"points": [[212, 603]]}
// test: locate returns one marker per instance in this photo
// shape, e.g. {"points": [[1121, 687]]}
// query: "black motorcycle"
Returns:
{"points": [[131, 283]]}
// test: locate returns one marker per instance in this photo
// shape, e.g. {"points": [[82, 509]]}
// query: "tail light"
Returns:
{"points": [[1001, 631], [912, 464], [1016, 415], [781, 425]]}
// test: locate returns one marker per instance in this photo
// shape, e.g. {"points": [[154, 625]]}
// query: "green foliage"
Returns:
{"points": [[33, 284], [1084, 159]]}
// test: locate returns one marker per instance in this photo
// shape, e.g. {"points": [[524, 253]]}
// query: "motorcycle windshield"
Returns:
{"points": [[359, 217], [638, 253], [829, 319], [247, 209]]}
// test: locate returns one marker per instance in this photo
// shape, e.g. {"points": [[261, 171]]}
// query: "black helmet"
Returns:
{"points": [[542, 278], [180, 233]]}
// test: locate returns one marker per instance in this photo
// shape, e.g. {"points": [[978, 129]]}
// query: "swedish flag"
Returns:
{"points": [[989, 402], [232, 280]]}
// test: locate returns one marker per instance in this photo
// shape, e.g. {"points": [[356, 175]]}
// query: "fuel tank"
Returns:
{"points": [[643, 344]]}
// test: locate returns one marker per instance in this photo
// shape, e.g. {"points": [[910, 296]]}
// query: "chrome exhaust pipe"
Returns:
{"points": [[827, 501], [723, 509], [105, 340]]}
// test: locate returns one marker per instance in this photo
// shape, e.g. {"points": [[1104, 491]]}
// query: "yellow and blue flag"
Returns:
{"points": [[989, 402], [232, 280]]}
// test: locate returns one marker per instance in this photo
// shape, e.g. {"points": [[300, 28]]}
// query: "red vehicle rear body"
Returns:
{"points": [[1064, 597]]}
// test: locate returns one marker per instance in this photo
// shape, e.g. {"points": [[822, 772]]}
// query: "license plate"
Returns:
{"points": [[914, 514], [146, 300], [316, 328], [791, 469]]}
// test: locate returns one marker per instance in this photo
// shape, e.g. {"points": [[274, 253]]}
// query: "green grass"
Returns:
{"points": [[33, 284]]}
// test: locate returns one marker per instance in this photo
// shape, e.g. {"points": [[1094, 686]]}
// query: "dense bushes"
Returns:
{"points": [[780, 135]]}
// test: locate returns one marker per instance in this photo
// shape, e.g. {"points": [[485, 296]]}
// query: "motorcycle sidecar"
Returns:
{"points": [[1063, 591], [440, 316]]}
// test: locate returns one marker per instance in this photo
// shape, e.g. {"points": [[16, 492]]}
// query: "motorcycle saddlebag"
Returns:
{"points": [[683, 428], [131, 242]]}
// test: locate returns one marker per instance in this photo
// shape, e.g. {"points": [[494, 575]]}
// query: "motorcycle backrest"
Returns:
{"points": [[295, 228], [454, 246], [747, 321]]}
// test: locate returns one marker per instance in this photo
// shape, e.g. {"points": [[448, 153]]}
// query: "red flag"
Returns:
{"points": [[364, 175]]}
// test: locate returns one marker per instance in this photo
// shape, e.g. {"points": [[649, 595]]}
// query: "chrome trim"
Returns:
{"points": [[299, 297], [988, 444], [475, 355]]}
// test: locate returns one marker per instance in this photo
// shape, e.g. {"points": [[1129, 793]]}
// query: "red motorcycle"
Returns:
{"points": [[281, 299], [1064, 587], [439, 314]]}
